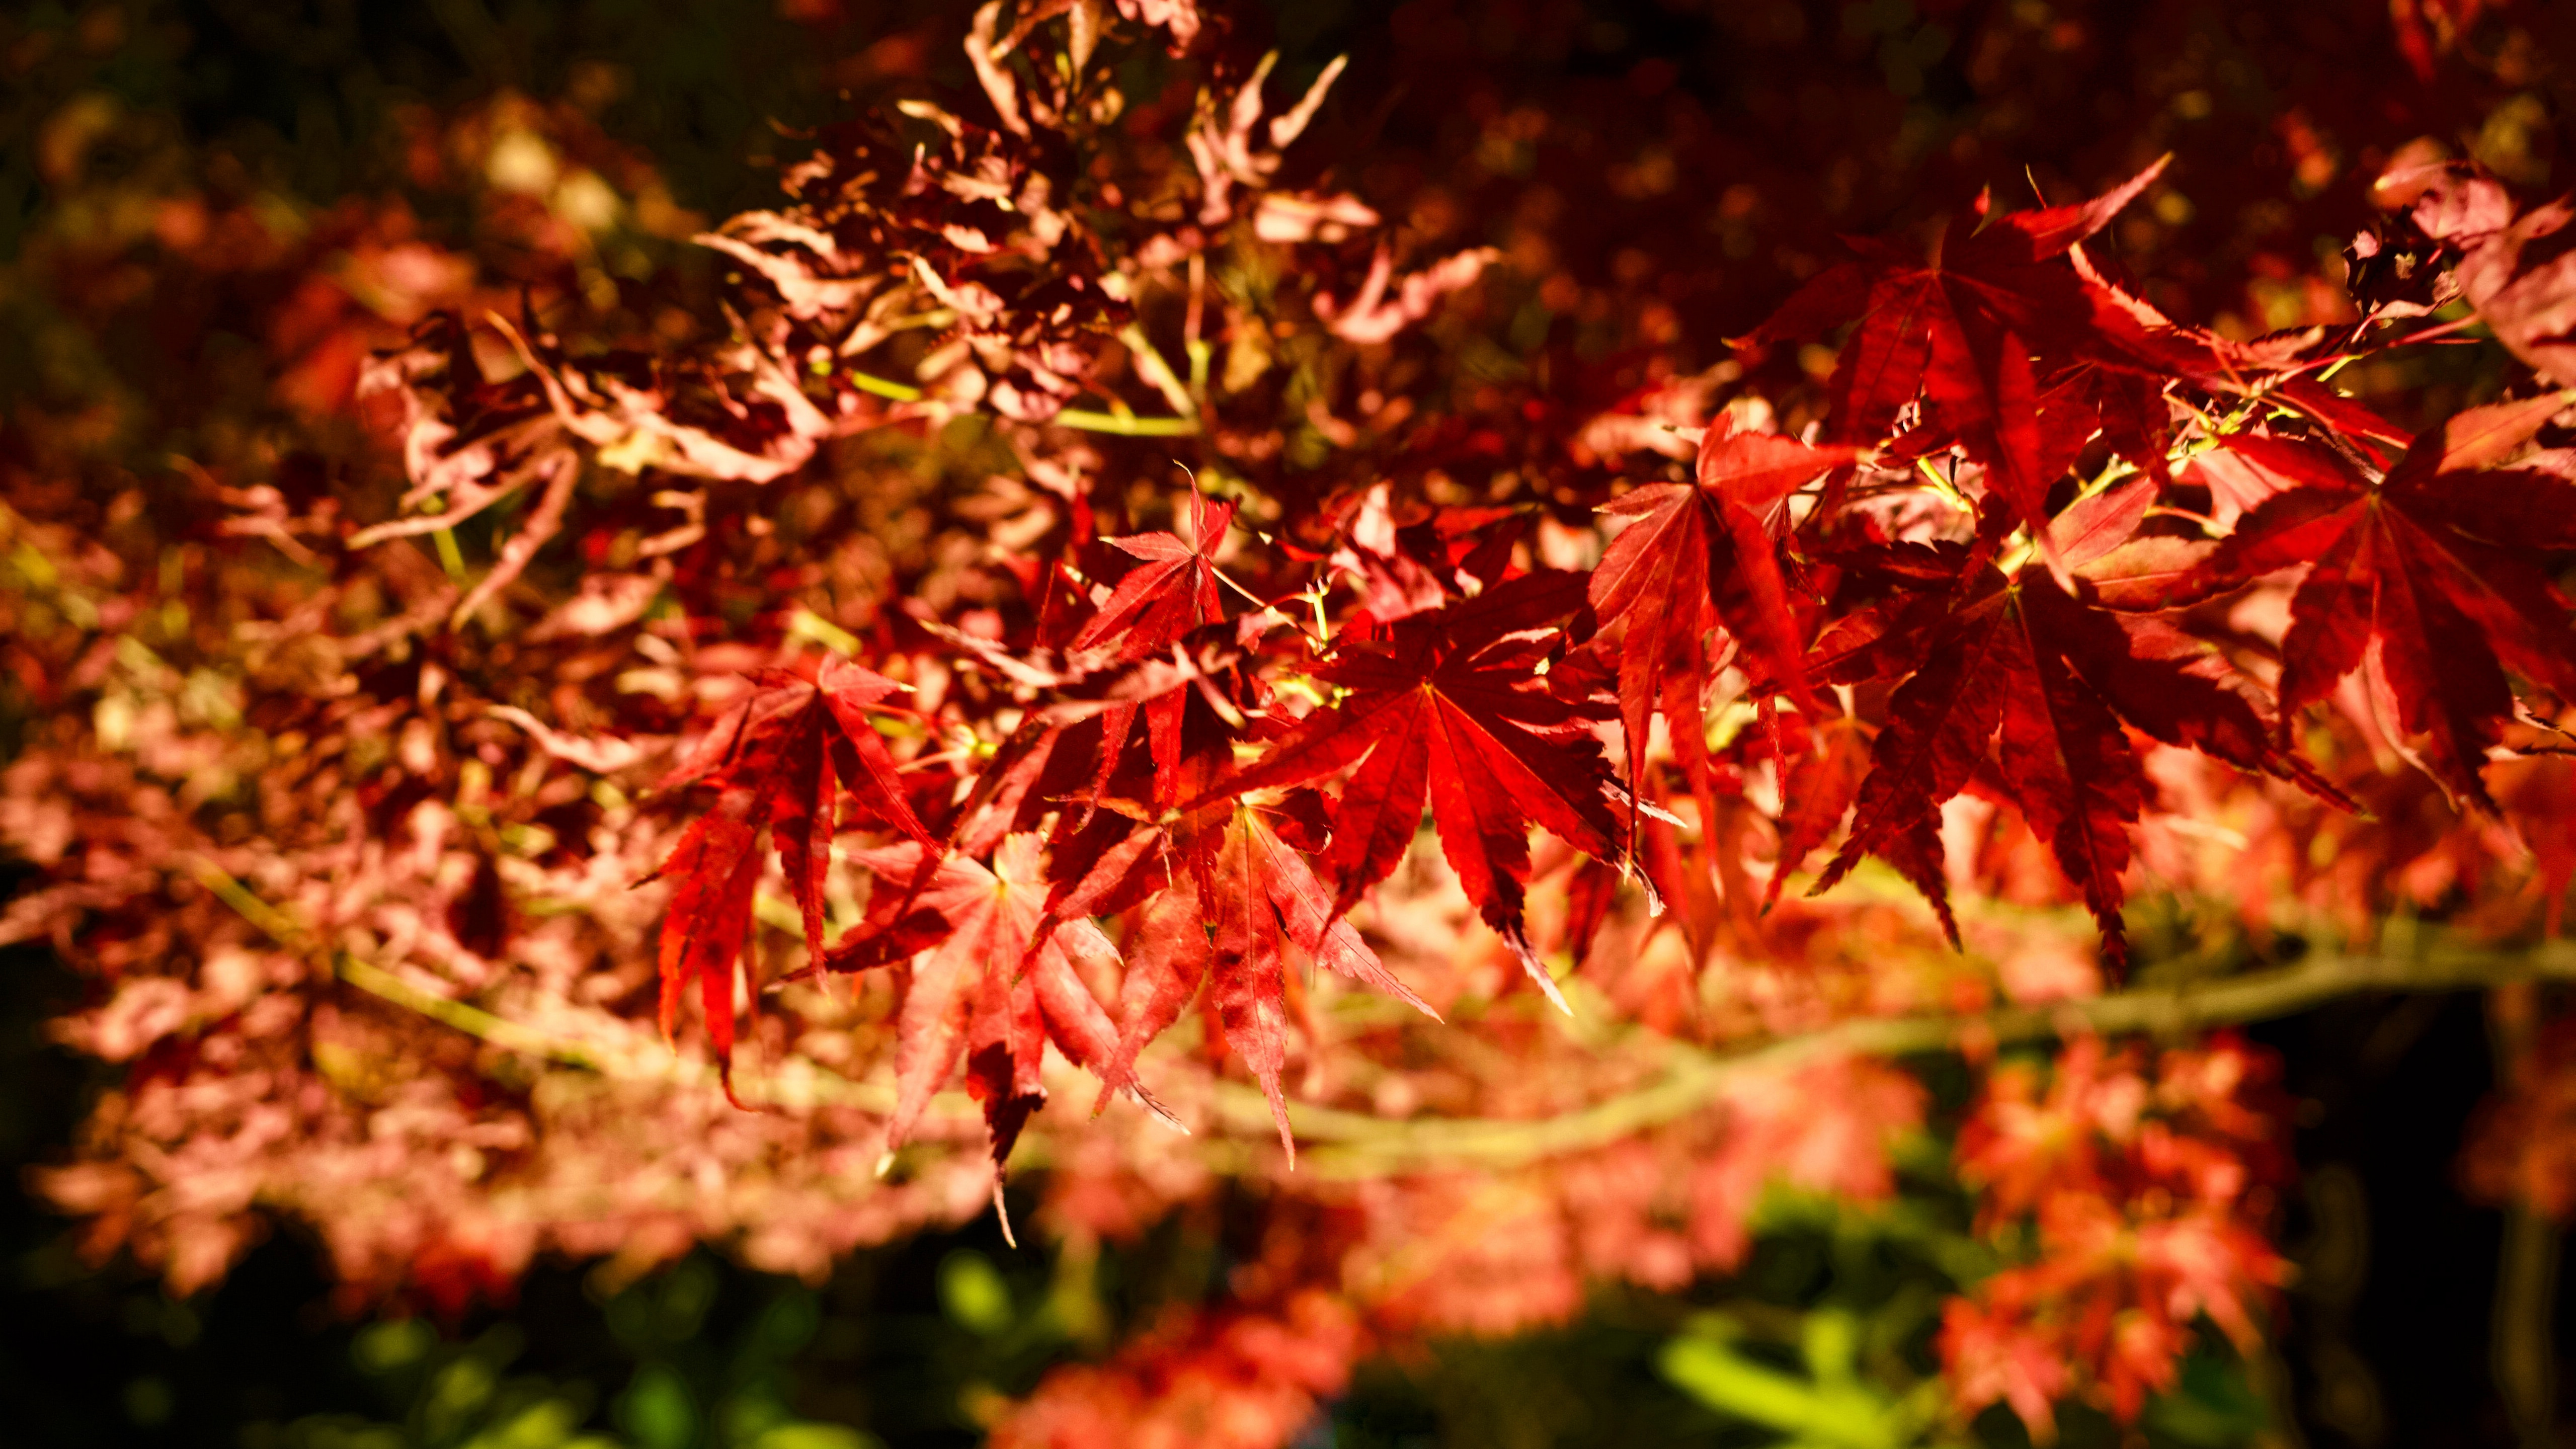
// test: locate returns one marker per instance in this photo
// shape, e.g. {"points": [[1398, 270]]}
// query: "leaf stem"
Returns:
{"points": [[450, 557], [1151, 366], [883, 387], [1123, 424]]}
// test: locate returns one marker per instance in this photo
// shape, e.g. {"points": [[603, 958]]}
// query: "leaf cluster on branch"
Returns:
{"points": [[1077, 599]]}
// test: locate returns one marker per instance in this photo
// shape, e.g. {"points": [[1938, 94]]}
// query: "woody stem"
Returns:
{"points": [[1355, 1144], [1348, 1144]]}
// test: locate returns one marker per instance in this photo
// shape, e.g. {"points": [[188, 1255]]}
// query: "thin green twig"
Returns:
{"points": [[1127, 425]]}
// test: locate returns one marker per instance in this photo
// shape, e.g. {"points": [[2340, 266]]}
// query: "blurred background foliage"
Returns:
{"points": [[1820, 1341]]}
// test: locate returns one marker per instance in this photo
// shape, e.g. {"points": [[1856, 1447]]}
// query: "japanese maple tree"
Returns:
{"points": [[1075, 608]]}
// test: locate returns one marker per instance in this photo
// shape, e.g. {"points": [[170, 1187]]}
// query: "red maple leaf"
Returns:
{"points": [[984, 973], [1448, 708], [1960, 330], [2434, 566], [780, 757], [2127, 334], [1172, 591], [2017, 673], [1224, 923], [1697, 551], [1816, 792]]}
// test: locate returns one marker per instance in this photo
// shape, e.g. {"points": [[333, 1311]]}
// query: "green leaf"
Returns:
{"points": [[972, 1291], [1845, 1414]]}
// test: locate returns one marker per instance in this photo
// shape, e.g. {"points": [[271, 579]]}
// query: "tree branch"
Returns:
{"points": [[808, 1084], [1357, 1145], [1346, 1144]]}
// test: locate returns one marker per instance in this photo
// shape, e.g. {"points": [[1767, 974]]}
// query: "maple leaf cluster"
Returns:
{"points": [[2517, 1150], [1079, 603], [1240, 1380], [2149, 1183]]}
